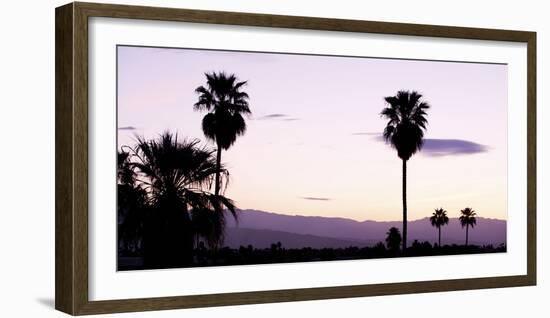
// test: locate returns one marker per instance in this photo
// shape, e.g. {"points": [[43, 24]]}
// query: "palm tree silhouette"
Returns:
{"points": [[438, 219], [131, 205], [226, 103], [393, 239], [177, 175], [125, 172], [209, 226], [467, 218], [405, 132]]}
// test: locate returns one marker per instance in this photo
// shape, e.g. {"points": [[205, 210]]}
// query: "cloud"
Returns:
{"points": [[284, 117], [365, 134], [434, 147], [449, 147], [273, 116], [127, 128], [316, 198]]}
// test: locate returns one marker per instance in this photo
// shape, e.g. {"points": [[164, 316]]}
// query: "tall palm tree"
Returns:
{"points": [[438, 219], [226, 104], [407, 121], [467, 218], [393, 239], [177, 176]]}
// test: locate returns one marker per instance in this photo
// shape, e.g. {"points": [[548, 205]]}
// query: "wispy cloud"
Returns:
{"points": [[434, 147], [283, 117], [316, 198], [127, 128], [449, 147], [361, 133], [273, 116]]}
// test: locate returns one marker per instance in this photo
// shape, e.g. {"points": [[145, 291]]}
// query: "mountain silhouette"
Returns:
{"points": [[260, 229], [237, 236]]}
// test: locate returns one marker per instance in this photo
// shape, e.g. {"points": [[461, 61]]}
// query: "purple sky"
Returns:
{"points": [[313, 144]]}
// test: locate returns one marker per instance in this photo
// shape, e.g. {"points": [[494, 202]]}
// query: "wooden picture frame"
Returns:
{"points": [[71, 221]]}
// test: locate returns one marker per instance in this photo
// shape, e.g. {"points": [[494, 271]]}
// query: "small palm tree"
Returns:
{"points": [[131, 206], [467, 218], [226, 104], [405, 132], [393, 240], [125, 172], [438, 219], [176, 176]]}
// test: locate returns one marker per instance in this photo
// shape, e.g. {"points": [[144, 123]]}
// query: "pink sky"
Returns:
{"points": [[323, 141]]}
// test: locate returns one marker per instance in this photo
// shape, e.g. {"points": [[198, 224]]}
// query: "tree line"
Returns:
{"points": [[438, 219]]}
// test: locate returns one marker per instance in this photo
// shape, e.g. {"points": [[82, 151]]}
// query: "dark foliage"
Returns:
{"points": [[393, 240], [165, 208], [131, 206], [248, 255], [406, 115]]}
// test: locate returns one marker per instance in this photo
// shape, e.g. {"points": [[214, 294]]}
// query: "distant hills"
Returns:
{"points": [[235, 237], [260, 229]]}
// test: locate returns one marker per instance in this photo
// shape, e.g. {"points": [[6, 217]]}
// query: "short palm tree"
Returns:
{"points": [[177, 175], [393, 239], [131, 206], [406, 115], [467, 218], [226, 104], [209, 226], [438, 219], [125, 172]]}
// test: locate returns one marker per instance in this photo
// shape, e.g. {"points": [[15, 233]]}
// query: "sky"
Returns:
{"points": [[313, 144]]}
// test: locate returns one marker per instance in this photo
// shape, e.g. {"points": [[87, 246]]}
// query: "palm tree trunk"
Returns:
{"points": [[218, 165], [439, 240], [404, 205], [467, 226]]}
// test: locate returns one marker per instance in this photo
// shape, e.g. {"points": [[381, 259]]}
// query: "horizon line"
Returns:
{"points": [[360, 221]]}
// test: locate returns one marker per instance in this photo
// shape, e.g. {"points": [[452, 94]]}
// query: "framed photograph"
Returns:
{"points": [[219, 158]]}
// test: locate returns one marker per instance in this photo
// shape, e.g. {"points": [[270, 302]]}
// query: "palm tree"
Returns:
{"points": [[393, 239], [125, 173], [467, 218], [131, 206], [438, 219], [208, 225], [405, 132], [226, 104], [176, 176]]}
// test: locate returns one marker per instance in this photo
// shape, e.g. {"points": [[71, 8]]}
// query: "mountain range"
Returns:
{"points": [[261, 229]]}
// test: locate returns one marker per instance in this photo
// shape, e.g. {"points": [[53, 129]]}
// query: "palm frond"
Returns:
{"points": [[176, 176], [226, 103], [407, 121], [467, 217]]}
